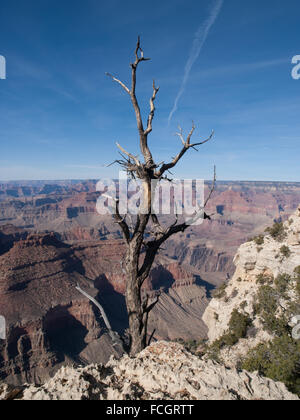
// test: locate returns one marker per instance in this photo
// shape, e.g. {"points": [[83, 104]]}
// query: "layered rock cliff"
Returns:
{"points": [[250, 320], [46, 317], [69, 208], [50, 323]]}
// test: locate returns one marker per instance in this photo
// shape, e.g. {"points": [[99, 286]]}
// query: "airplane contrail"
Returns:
{"points": [[199, 40]]}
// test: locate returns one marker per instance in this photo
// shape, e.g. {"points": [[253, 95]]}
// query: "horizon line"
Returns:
{"points": [[77, 180]]}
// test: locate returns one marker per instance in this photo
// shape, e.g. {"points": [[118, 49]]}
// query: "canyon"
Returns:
{"points": [[52, 238], [50, 323]]}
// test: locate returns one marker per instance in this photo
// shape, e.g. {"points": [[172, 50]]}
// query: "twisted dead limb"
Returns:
{"points": [[116, 340]]}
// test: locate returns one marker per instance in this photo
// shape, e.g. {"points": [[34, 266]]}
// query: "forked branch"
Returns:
{"points": [[148, 306], [186, 146], [119, 219], [162, 235], [130, 156], [139, 57]]}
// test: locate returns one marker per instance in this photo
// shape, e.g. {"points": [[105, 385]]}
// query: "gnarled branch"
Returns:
{"points": [[130, 156], [139, 57], [186, 146], [119, 219], [152, 110]]}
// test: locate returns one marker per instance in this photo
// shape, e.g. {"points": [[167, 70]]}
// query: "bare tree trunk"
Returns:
{"points": [[134, 302], [138, 307], [137, 329]]}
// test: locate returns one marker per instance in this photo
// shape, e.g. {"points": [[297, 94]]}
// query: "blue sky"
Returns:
{"points": [[60, 116]]}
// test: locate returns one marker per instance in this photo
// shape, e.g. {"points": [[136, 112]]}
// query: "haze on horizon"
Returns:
{"points": [[60, 116]]}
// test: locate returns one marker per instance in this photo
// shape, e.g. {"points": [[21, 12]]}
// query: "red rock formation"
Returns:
{"points": [[40, 303], [48, 321], [45, 314], [9, 234], [170, 275]]}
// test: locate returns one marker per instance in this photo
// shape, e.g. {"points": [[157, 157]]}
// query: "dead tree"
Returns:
{"points": [[142, 250]]}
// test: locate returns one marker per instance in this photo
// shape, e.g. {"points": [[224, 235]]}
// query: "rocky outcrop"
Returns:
{"points": [[9, 234], [269, 260], [164, 371]]}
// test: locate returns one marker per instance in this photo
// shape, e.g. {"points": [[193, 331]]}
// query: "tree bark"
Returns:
{"points": [[134, 300]]}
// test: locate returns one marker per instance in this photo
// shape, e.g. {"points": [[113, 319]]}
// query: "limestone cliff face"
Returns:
{"points": [[164, 371], [263, 258]]}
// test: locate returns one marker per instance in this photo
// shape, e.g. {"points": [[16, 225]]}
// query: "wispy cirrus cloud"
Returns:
{"points": [[29, 69], [238, 68], [228, 71], [198, 43]]}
